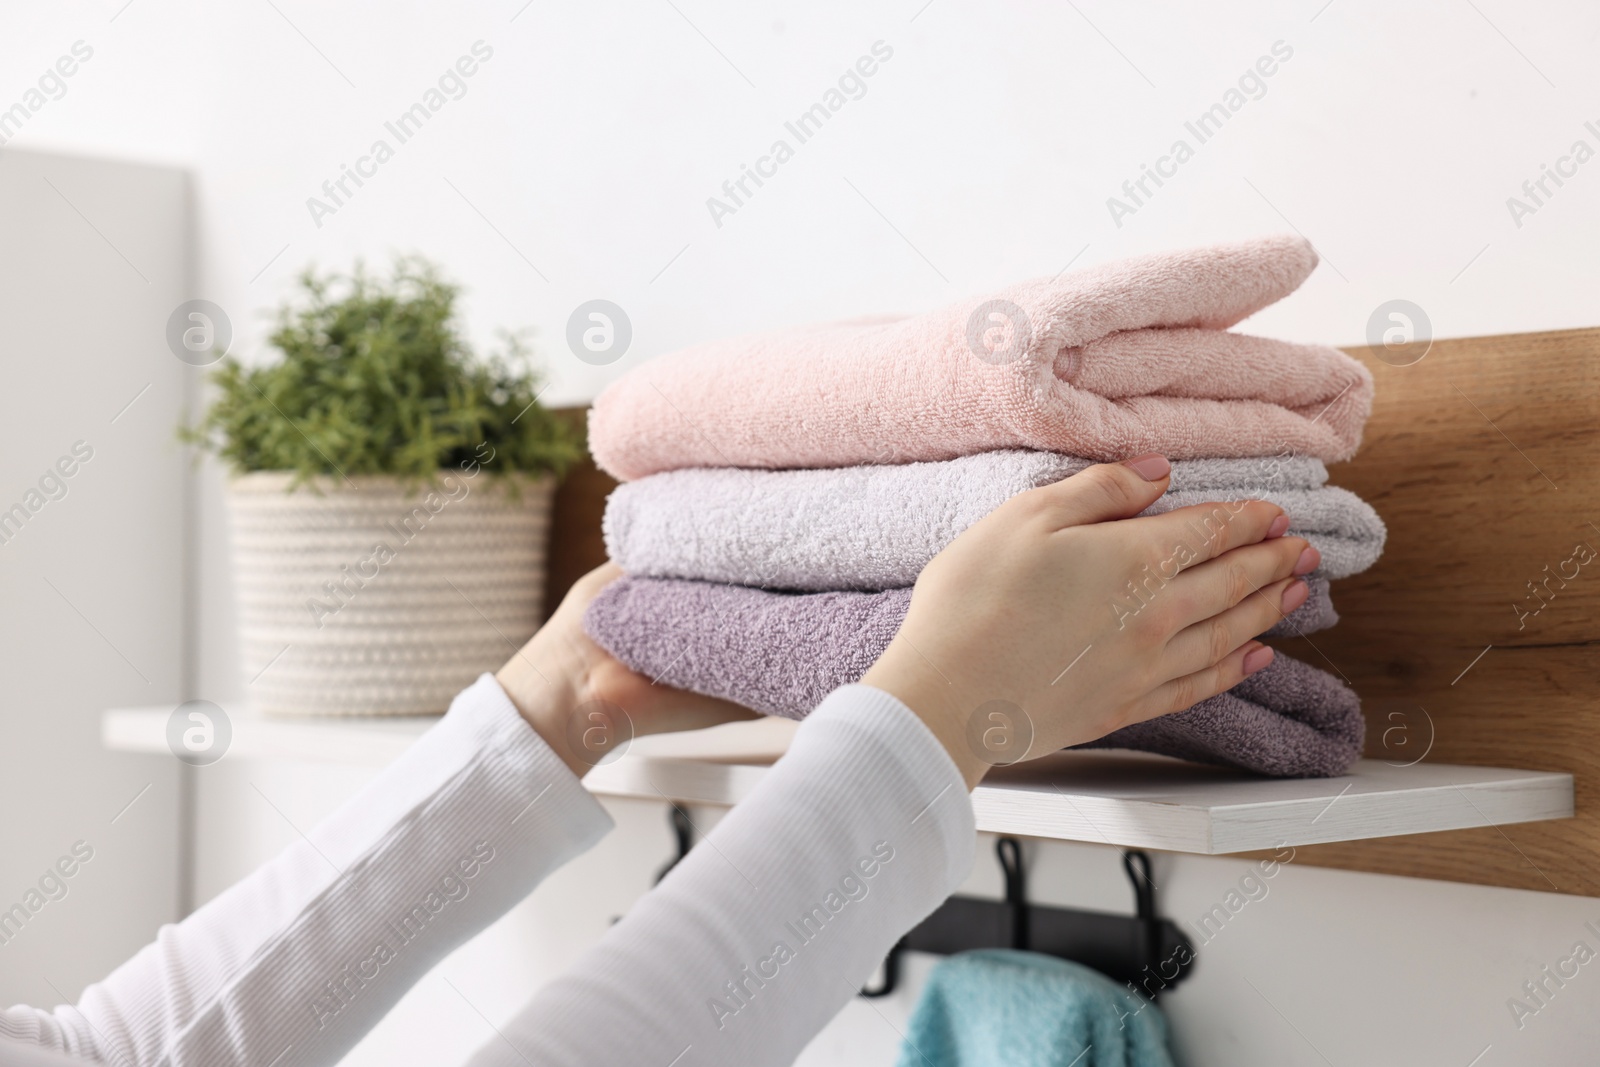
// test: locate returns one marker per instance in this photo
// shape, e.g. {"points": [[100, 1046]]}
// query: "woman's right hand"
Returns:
{"points": [[1060, 618]]}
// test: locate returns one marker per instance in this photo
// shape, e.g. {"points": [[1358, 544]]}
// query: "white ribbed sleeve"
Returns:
{"points": [[294, 964], [744, 952], [773, 922]]}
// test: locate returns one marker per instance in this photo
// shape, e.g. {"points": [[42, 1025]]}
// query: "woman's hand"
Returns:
{"points": [[1059, 618], [585, 704]]}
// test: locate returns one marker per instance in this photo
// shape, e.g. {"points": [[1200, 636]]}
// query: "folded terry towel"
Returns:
{"points": [[1289, 720], [781, 653], [1109, 362], [1004, 1008], [876, 527]]}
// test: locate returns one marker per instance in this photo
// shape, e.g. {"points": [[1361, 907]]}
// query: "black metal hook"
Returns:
{"points": [[1142, 950], [1009, 851], [1144, 890], [891, 972], [1137, 864], [683, 834]]}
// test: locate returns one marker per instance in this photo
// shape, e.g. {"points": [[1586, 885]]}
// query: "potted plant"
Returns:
{"points": [[390, 499]]}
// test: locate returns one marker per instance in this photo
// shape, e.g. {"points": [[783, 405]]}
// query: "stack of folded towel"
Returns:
{"points": [[782, 492]]}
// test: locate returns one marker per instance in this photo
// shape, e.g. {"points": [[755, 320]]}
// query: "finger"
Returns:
{"points": [[1104, 491], [588, 586], [1211, 640], [566, 618], [1188, 537], [1218, 584], [1189, 689]]}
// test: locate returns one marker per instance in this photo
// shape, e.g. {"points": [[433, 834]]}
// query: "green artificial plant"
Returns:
{"points": [[375, 378]]}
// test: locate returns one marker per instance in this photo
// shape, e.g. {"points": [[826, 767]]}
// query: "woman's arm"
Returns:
{"points": [[295, 963], [298, 961], [773, 922]]}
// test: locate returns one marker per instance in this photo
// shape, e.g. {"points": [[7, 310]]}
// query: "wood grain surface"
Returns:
{"points": [[1476, 638], [576, 546]]}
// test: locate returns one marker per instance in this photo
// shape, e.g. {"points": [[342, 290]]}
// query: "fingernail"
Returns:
{"points": [[1294, 596], [1309, 558], [1279, 527], [1151, 468], [1256, 659]]}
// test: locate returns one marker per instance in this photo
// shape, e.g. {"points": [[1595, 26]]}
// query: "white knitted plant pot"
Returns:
{"points": [[366, 598]]}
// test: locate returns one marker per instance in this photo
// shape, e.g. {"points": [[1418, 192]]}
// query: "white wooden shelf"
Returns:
{"points": [[1125, 799]]}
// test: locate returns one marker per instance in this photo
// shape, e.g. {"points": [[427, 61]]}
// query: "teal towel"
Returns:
{"points": [[1003, 1008]]}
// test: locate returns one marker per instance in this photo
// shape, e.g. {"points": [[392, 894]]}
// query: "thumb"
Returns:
{"points": [[1108, 491]]}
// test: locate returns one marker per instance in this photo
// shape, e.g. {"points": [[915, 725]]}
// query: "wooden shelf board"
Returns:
{"points": [[1123, 799]]}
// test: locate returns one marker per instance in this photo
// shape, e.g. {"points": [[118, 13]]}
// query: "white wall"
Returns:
{"points": [[984, 151]]}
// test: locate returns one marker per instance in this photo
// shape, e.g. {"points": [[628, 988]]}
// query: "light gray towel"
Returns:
{"points": [[875, 527]]}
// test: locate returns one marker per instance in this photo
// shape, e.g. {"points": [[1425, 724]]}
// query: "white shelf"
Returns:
{"points": [[1125, 799], [376, 742]]}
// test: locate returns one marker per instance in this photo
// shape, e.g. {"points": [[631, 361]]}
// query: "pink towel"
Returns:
{"points": [[1109, 362]]}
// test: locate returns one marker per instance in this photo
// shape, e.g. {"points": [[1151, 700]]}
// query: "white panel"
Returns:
{"points": [[93, 258]]}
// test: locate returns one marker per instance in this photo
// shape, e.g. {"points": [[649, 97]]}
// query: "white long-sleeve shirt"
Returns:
{"points": [[741, 954]]}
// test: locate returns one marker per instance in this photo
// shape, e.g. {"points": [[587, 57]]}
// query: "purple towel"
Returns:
{"points": [[1289, 720], [781, 653]]}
